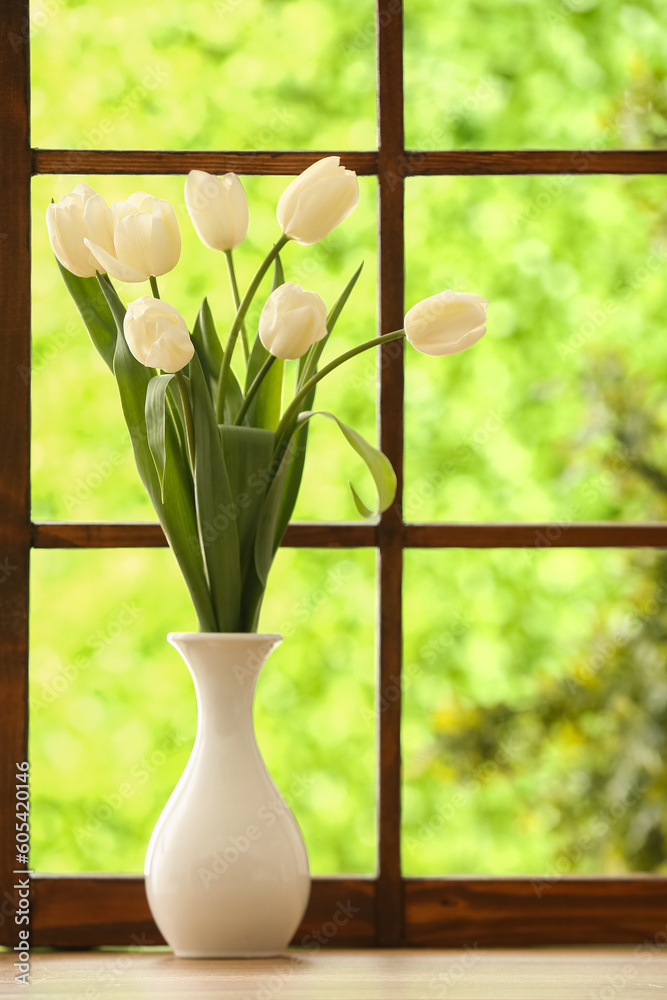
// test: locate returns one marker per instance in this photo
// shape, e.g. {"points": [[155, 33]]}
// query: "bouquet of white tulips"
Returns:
{"points": [[222, 457]]}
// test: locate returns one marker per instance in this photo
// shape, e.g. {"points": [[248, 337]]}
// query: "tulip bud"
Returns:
{"points": [[218, 208], [446, 323], [77, 216], [291, 321], [146, 239], [317, 201], [157, 334]]}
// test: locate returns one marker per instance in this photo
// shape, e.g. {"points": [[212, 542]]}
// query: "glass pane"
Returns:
{"points": [[534, 728], [114, 715], [548, 73], [560, 412], [229, 74], [82, 462]]}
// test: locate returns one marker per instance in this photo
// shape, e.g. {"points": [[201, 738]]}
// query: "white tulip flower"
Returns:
{"points": [[317, 201], [218, 208], [146, 239], [446, 323], [157, 334], [81, 215], [291, 320]]}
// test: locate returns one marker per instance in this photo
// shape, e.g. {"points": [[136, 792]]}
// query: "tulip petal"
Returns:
{"points": [[171, 352], [99, 222], [323, 206], [287, 203], [446, 323], [437, 350], [85, 191], [66, 229], [164, 240], [116, 268], [133, 243], [142, 202], [238, 209]]}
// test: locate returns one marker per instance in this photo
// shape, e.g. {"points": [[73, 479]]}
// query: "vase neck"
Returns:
{"points": [[225, 667]]}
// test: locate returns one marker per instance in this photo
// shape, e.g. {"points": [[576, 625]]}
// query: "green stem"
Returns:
{"points": [[154, 288], [257, 381], [189, 422], [236, 325], [237, 301], [293, 409]]}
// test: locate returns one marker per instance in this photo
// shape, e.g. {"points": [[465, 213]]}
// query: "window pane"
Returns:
{"points": [[226, 74], [549, 73], [82, 462], [114, 715], [559, 413], [534, 727]]}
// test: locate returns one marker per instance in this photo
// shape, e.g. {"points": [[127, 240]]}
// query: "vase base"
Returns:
{"points": [[229, 954]]}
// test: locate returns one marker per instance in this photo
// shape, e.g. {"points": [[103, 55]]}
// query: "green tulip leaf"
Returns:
{"points": [[95, 312], [264, 410], [278, 274], [248, 453], [210, 338], [378, 465], [216, 507], [268, 539], [155, 421], [233, 397], [207, 345], [176, 513]]}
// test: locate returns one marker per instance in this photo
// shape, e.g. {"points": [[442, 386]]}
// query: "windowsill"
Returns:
{"points": [[624, 972]]}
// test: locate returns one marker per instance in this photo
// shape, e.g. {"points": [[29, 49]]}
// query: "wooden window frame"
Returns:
{"points": [[389, 910]]}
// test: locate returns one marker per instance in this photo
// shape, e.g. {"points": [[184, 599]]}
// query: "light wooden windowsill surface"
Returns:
{"points": [[604, 973]]}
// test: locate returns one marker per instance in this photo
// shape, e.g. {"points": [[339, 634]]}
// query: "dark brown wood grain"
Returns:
{"points": [[117, 535], [91, 910], [391, 302], [538, 535], [159, 161], [473, 162], [488, 912], [351, 534], [15, 447], [87, 911]]}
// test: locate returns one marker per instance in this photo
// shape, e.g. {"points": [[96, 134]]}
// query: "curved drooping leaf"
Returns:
{"points": [[95, 312], [155, 419], [376, 461], [217, 511], [177, 512]]}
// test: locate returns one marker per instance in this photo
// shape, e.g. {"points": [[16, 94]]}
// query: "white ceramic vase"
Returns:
{"points": [[226, 868]]}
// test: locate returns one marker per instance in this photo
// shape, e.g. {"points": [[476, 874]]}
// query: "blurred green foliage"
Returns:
{"points": [[516, 747]]}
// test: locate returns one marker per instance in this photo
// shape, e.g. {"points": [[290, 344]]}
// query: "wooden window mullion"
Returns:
{"points": [[15, 448], [391, 154]]}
